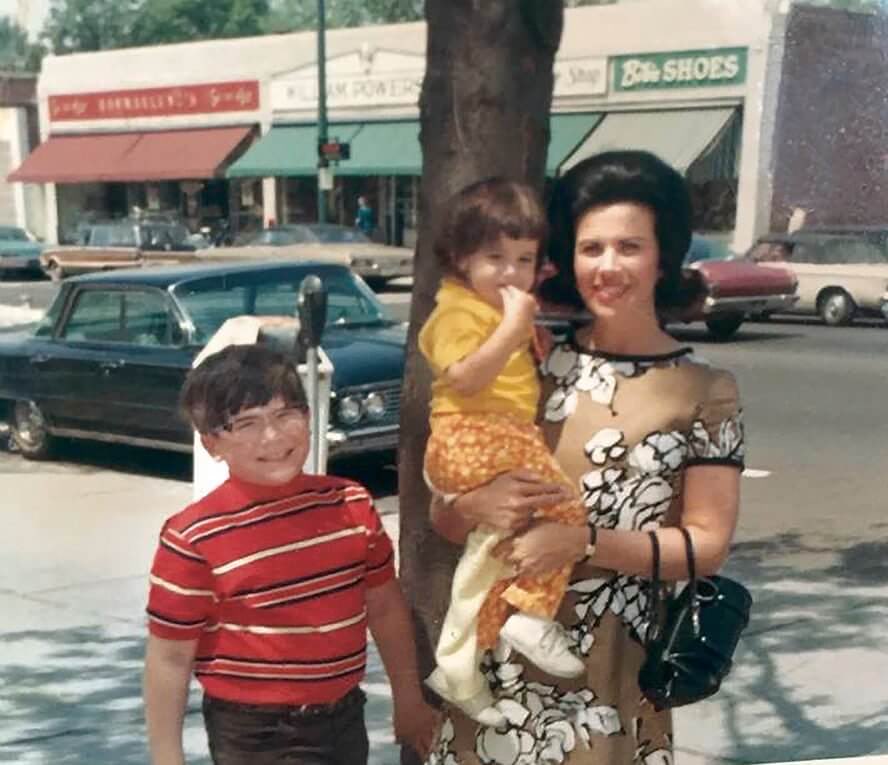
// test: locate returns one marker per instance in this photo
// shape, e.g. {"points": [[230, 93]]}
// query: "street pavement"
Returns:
{"points": [[812, 546]]}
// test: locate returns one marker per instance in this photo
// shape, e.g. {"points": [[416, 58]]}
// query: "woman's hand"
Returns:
{"points": [[545, 546], [508, 502]]}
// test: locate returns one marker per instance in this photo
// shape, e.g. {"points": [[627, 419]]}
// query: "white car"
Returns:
{"points": [[376, 263]]}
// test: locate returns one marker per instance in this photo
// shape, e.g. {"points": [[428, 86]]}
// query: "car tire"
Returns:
{"points": [[724, 327], [30, 432], [376, 283], [836, 308]]}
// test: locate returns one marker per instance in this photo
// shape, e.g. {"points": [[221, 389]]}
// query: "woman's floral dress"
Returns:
{"points": [[625, 428]]}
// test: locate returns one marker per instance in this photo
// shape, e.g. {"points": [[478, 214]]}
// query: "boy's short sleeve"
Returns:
{"points": [[449, 336], [380, 560], [717, 435], [181, 599]]}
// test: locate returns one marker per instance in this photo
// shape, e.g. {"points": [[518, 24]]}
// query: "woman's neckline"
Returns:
{"points": [[639, 357]]}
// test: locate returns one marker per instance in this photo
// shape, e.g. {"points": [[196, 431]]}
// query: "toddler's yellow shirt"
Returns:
{"points": [[458, 326]]}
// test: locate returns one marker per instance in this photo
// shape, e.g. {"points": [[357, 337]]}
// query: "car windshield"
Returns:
{"points": [[211, 301], [12, 235], [161, 234], [703, 248]]}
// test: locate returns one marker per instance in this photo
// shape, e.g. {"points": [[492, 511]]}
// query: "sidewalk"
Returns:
{"points": [[809, 682]]}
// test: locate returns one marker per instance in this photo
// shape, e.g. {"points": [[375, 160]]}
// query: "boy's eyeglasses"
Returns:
{"points": [[251, 427]]}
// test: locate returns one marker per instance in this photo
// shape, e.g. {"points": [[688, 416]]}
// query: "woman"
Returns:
{"points": [[653, 438]]}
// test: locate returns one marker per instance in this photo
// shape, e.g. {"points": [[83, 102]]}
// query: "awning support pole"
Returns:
{"points": [[322, 110]]}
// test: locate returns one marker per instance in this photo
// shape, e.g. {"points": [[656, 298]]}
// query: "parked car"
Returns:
{"points": [[734, 289], [19, 252], [119, 244], [377, 263], [841, 275], [108, 360]]}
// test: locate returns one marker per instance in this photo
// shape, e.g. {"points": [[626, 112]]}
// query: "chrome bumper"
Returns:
{"points": [[378, 439], [748, 304]]}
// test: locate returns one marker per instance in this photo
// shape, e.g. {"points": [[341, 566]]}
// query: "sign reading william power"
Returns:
{"points": [[686, 69]]}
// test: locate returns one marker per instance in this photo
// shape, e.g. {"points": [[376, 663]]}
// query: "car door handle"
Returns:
{"points": [[109, 366], [40, 358]]}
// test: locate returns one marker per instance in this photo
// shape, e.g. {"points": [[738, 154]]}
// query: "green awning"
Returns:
{"points": [[566, 133], [677, 136], [377, 148]]}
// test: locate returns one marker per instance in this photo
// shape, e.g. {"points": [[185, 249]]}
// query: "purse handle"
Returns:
{"points": [[656, 585]]}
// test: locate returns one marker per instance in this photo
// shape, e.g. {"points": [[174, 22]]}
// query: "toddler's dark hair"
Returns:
{"points": [[236, 378], [481, 213]]}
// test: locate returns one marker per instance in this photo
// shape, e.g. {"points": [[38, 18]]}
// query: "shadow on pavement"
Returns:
{"points": [[806, 683], [72, 696]]}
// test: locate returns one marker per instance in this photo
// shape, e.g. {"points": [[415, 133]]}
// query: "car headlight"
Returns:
{"points": [[374, 406], [350, 410]]}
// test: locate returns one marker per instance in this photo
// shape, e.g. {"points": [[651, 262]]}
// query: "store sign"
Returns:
{"points": [[688, 69], [580, 77], [209, 98], [354, 81], [299, 93]]}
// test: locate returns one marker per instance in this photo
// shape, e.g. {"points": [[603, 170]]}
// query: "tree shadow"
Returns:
{"points": [[73, 696], [812, 632]]}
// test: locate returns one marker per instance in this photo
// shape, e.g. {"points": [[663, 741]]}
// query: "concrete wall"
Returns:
{"points": [[831, 139]]}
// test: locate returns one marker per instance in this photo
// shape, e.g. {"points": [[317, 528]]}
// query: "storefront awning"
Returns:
{"points": [[377, 148], [149, 156], [566, 133], [677, 136]]}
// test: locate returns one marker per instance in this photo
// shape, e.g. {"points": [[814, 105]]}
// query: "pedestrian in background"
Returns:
{"points": [[365, 220]]}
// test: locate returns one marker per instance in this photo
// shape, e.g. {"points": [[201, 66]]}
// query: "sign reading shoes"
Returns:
{"points": [[687, 69]]}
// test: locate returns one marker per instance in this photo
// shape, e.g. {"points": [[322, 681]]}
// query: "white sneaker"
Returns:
{"points": [[543, 642]]}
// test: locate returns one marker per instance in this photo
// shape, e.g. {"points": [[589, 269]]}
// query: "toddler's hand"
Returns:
{"points": [[519, 310]]}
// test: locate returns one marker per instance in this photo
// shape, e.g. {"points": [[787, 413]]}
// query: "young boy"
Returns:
{"points": [[265, 588]]}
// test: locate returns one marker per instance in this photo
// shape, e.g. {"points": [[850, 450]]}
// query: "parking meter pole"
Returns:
{"points": [[311, 361], [312, 309]]}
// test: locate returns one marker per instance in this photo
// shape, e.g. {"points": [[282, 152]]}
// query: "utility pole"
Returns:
{"points": [[323, 162]]}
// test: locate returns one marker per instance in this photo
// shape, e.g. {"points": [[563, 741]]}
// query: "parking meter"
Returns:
{"points": [[312, 311]]}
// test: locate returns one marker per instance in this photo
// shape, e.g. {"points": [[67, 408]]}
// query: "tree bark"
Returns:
{"points": [[484, 111]]}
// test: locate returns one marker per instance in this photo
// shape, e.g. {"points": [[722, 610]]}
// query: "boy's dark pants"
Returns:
{"points": [[277, 734]]}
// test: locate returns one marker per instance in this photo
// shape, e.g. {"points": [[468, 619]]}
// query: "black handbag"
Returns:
{"points": [[690, 639]]}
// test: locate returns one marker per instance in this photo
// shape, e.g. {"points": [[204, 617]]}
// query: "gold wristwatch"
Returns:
{"points": [[590, 547]]}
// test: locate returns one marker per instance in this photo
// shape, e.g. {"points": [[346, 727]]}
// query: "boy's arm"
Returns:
{"points": [[392, 628], [165, 686]]}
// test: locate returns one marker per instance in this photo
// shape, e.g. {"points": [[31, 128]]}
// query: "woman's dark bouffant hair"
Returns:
{"points": [[481, 213], [616, 177]]}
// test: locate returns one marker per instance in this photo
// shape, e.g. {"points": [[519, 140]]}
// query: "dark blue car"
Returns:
{"points": [[108, 360]]}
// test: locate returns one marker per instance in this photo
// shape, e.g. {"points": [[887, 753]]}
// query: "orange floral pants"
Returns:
{"points": [[468, 450]]}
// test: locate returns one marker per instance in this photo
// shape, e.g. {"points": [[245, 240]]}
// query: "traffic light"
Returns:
{"points": [[334, 151]]}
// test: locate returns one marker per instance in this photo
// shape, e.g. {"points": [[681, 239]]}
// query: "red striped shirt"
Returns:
{"points": [[272, 583]]}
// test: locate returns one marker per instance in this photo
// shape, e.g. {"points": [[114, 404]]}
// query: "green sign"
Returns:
{"points": [[686, 69]]}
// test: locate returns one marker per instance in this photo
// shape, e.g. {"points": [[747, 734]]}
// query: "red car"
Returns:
{"points": [[735, 289]]}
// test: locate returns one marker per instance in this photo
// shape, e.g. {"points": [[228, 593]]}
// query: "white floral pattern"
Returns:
{"points": [[626, 486]]}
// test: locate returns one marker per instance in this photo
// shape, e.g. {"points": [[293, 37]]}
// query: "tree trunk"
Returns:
{"points": [[484, 111]]}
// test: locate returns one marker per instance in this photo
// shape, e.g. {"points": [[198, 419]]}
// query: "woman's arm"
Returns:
{"points": [[507, 503], [710, 504]]}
